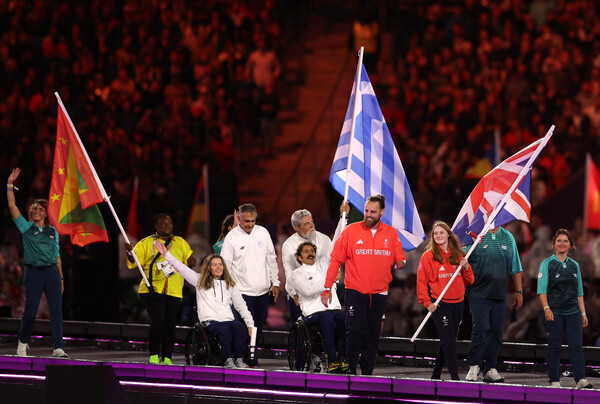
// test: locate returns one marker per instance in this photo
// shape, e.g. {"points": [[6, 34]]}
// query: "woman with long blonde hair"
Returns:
{"points": [[215, 294]]}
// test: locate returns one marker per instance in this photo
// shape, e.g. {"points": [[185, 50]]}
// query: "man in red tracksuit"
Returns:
{"points": [[370, 249]]}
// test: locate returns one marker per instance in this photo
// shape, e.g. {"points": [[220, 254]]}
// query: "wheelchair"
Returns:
{"points": [[306, 348], [202, 348]]}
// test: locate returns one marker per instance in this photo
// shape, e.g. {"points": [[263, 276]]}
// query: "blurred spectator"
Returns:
{"points": [[538, 252], [262, 67]]}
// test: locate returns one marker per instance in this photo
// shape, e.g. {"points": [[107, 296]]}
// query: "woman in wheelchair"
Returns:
{"points": [[215, 293], [308, 281]]}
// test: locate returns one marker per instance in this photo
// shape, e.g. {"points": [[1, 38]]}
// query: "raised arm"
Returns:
{"points": [[188, 274], [10, 195]]}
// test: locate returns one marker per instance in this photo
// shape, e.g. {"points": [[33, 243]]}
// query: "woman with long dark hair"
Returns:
{"points": [[229, 223]]}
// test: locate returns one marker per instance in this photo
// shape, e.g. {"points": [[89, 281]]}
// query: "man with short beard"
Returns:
{"points": [[370, 249], [304, 225]]}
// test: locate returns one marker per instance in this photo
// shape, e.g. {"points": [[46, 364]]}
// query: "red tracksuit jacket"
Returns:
{"points": [[368, 258], [433, 275]]}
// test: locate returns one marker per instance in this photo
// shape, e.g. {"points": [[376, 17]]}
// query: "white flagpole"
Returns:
{"points": [[206, 201], [496, 147], [102, 191], [253, 344], [357, 94], [490, 221]]}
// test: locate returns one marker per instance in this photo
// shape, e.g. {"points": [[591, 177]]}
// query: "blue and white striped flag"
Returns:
{"points": [[376, 167]]}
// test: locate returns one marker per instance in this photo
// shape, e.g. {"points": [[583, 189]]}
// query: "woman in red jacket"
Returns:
{"points": [[437, 265]]}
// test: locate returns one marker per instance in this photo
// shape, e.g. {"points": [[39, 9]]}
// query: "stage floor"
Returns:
{"points": [[103, 355], [100, 369]]}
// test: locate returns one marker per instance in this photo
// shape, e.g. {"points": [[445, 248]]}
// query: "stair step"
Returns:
{"points": [[310, 124]]}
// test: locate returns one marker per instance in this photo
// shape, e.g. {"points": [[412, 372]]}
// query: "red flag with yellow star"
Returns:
{"points": [[593, 196], [74, 190]]}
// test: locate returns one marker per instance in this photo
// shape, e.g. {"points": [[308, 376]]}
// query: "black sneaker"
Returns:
{"points": [[340, 366]]}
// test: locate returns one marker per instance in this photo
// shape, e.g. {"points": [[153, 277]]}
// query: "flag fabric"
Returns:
{"points": [[490, 160], [593, 196], [199, 217], [74, 191], [491, 189], [375, 164], [133, 227]]}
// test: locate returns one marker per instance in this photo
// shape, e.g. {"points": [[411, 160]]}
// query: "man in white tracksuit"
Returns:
{"points": [[249, 254], [304, 225], [308, 281]]}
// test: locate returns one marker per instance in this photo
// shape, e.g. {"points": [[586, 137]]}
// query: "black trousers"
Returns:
{"points": [[164, 312], [447, 319], [364, 320]]}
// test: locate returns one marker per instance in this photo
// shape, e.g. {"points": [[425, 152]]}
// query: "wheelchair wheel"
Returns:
{"points": [[197, 346], [319, 360], [299, 347]]}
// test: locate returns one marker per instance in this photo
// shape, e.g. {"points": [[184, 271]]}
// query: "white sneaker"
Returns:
{"points": [[492, 376], [555, 384], [583, 384], [315, 364], [239, 363], [472, 374], [229, 363], [22, 349], [59, 353]]}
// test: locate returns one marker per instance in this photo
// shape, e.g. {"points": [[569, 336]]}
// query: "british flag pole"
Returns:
{"points": [[539, 146]]}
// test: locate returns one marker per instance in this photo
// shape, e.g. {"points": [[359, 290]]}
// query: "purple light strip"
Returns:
{"points": [[30, 377], [520, 363], [231, 389], [434, 401], [266, 391]]}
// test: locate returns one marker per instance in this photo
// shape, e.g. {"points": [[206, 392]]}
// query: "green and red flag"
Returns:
{"points": [[199, 217], [593, 195], [75, 189]]}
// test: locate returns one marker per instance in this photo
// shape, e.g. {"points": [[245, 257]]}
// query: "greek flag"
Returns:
{"points": [[375, 164]]}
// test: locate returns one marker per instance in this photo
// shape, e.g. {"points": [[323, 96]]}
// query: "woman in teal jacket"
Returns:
{"points": [[43, 268], [561, 292]]}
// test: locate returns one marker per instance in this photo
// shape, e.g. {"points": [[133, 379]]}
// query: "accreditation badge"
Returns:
{"points": [[166, 268]]}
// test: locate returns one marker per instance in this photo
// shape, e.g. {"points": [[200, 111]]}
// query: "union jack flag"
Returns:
{"points": [[501, 196]]}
